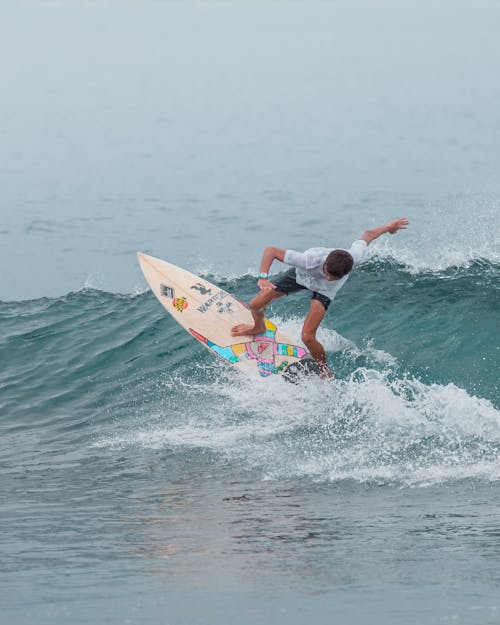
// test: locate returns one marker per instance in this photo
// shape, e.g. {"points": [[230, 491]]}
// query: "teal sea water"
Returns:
{"points": [[143, 481]]}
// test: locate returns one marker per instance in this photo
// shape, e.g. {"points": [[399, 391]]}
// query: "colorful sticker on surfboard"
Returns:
{"points": [[180, 303], [263, 348]]}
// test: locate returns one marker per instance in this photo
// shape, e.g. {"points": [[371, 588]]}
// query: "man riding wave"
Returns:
{"points": [[321, 270]]}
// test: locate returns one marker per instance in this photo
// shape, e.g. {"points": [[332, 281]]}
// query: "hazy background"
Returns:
{"points": [[202, 131]]}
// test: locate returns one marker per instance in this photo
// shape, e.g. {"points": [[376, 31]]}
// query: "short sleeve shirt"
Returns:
{"points": [[309, 267]]}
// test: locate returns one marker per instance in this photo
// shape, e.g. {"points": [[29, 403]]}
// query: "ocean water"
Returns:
{"points": [[142, 481]]}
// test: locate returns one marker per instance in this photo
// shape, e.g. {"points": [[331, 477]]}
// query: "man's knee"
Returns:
{"points": [[256, 305], [308, 337]]}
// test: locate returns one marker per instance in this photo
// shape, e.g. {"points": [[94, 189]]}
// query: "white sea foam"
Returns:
{"points": [[367, 428], [440, 260], [334, 342], [207, 268], [440, 243], [94, 281]]}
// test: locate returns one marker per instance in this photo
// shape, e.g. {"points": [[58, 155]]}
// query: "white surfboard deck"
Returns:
{"points": [[208, 313]]}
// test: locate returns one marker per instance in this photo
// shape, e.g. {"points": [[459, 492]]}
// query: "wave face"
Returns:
{"points": [[415, 400]]}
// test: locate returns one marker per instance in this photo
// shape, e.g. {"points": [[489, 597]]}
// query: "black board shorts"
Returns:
{"points": [[287, 283]]}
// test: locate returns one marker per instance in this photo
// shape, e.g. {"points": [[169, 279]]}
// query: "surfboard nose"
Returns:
{"points": [[143, 258]]}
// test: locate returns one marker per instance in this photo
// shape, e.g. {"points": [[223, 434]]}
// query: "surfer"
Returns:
{"points": [[321, 270]]}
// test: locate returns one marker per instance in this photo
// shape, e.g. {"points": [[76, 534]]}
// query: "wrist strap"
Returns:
{"points": [[263, 275]]}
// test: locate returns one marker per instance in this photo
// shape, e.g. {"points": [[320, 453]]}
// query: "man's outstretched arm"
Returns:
{"points": [[392, 226]]}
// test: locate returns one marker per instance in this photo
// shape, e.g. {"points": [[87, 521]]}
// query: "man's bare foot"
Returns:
{"points": [[246, 329]]}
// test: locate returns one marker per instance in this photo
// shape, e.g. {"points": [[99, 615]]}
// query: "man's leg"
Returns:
{"points": [[257, 307], [314, 317]]}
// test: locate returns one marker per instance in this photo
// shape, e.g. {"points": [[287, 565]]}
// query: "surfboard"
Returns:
{"points": [[208, 313]]}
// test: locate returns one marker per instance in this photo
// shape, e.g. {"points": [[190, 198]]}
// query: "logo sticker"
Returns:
{"points": [[225, 307], [167, 291], [180, 303], [211, 301], [201, 288]]}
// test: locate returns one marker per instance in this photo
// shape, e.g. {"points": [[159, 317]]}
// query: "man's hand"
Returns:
{"points": [[397, 224], [393, 226], [265, 285]]}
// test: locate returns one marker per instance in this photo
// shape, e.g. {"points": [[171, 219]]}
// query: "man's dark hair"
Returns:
{"points": [[339, 263]]}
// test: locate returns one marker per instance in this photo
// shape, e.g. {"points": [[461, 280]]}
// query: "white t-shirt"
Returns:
{"points": [[309, 266]]}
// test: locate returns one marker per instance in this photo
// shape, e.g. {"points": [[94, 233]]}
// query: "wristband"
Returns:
{"points": [[263, 275]]}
